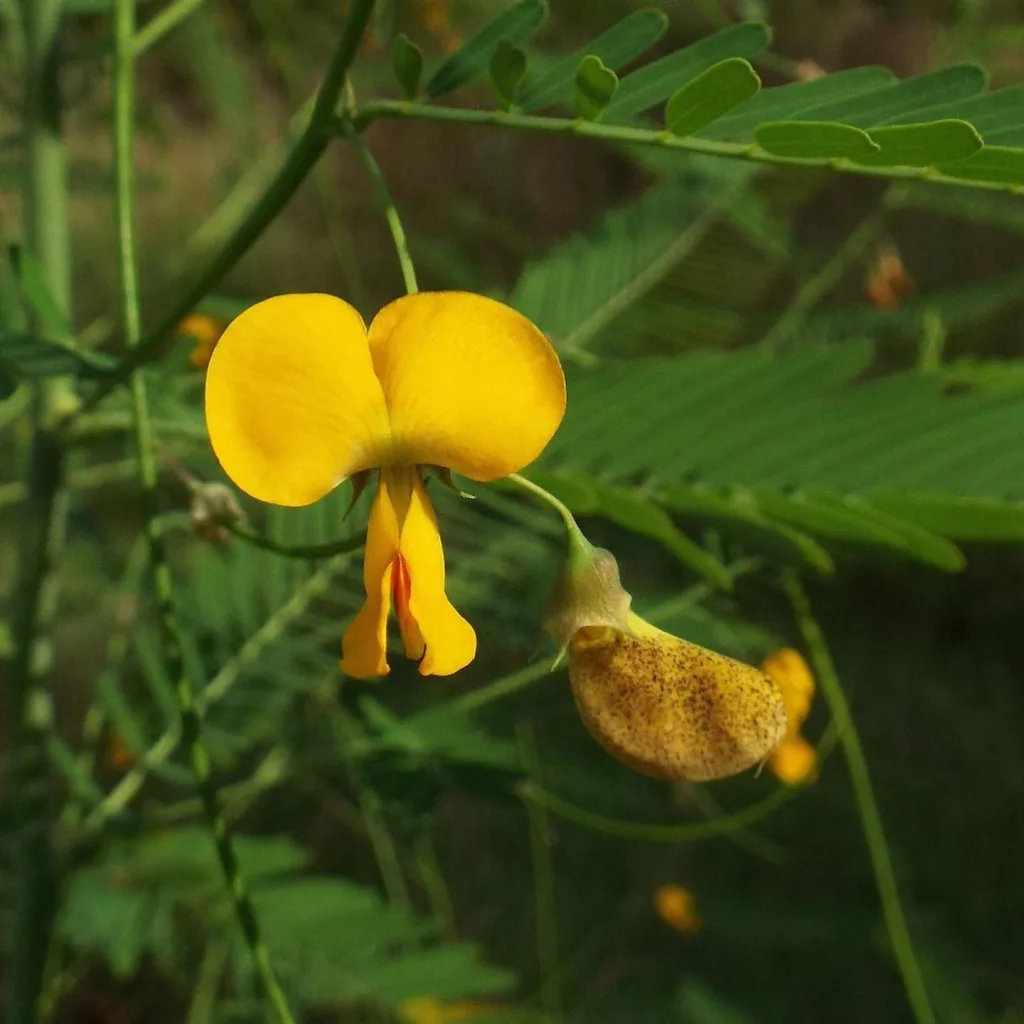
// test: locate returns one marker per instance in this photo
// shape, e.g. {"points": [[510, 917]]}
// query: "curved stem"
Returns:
{"points": [[311, 551], [656, 833], [871, 819], [388, 206], [170, 627], [548, 498]]}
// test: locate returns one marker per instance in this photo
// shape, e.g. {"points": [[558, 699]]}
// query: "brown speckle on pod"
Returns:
{"points": [[671, 709]]}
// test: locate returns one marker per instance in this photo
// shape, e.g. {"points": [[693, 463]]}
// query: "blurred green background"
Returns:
{"points": [[425, 810]]}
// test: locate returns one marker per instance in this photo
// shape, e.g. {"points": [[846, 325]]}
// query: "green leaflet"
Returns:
{"points": [[623, 42], [910, 96], [922, 145], [515, 25], [710, 95], [594, 88], [653, 83], [784, 101], [815, 140], [407, 64], [508, 65], [992, 163]]}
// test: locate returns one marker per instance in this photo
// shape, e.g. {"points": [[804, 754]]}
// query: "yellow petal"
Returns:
{"points": [[670, 709], [404, 564], [364, 645], [448, 639], [292, 402], [470, 383]]}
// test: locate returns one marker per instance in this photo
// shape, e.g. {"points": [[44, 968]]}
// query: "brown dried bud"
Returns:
{"points": [[214, 507]]}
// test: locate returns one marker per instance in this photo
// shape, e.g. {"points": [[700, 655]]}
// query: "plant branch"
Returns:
{"points": [[871, 819], [160, 24], [624, 135], [170, 627], [387, 204], [27, 708]]}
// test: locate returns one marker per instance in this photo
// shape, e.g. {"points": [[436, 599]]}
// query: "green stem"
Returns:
{"points": [[622, 135], [170, 627], [387, 204], [544, 887], [653, 832], [830, 274], [305, 551], [27, 711], [159, 25], [871, 819], [307, 150]]}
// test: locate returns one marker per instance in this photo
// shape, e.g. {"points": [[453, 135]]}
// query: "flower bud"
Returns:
{"points": [[664, 707]]}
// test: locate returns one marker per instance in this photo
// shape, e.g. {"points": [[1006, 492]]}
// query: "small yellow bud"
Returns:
{"points": [[205, 331], [793, 761], [677, 908]]}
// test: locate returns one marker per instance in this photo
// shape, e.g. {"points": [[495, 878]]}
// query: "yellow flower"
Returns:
{"points": [[300, 396], [678, 909], [428, 1010], [664, 707], [794, 760], [206, 331]]}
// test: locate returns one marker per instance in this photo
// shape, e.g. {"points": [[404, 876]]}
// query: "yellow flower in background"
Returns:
{"points": [[794, 760], [205, 330], [428, 1010], [661, 705], [118, 755], [677, 907], [437, 20], [300, 396]]}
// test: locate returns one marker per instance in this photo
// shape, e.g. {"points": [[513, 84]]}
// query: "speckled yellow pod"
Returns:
{"points": [[671, 709]]}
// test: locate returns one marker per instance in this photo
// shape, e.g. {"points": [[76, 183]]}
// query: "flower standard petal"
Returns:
{"points": [[470, 383], [293, 405]]}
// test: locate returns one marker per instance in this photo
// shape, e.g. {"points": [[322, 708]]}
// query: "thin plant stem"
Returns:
{"points": [[432, 877], [41, 530], [160, 24], [749, 152], [655, 832], [827, 277], [544, 888], [292, 173], [867, 806], [387, 204], [170, 627]]}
